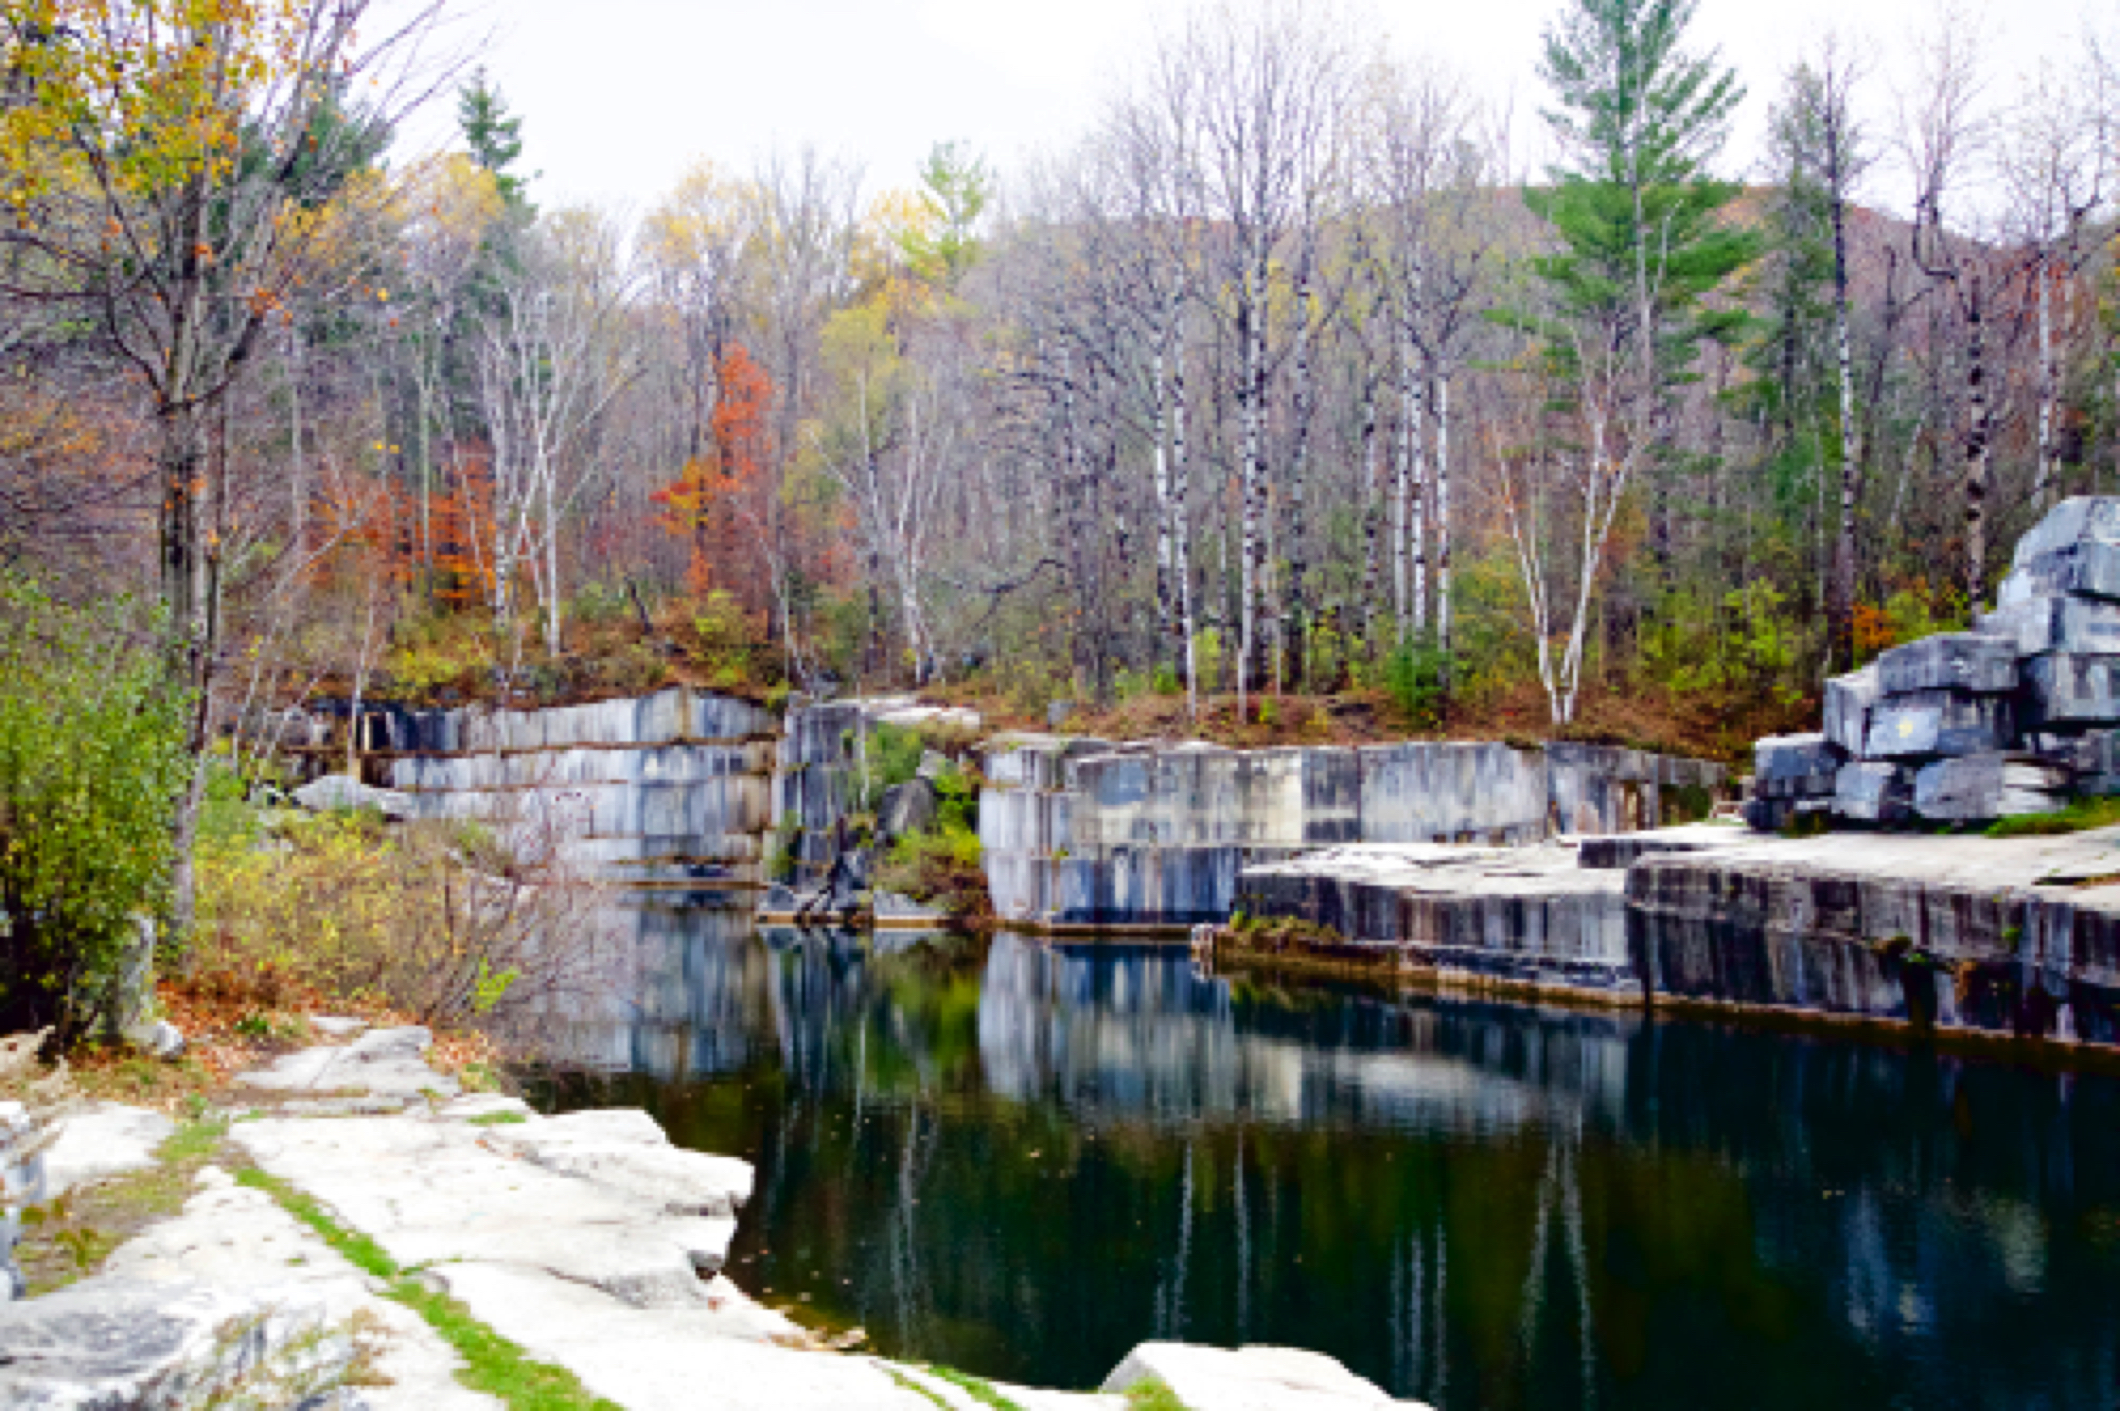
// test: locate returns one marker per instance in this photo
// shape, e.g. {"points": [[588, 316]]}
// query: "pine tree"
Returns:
{"points": [[494, 135], [1637, 216]]}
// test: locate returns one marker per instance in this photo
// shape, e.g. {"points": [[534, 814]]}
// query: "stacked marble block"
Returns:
{"points": [[2009, 719], [667, 789]]}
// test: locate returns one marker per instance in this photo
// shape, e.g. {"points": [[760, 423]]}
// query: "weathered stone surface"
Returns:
{"points": [[1132, 834], [2070, 690], [1795, 766], [430, 1190], [106, 1140], [2080, 519], [1873, 792], [1828, 925], [1767, 815], [22, 1141], [672, 1359], [1528, 914], [1849, 701], [384, 1062], [1249, 1379], [627, 1150], [337, 791], [1617, 854], [2090, 570], [1950, 661], [1988, 786], [239, 1240], [157, 1039], [107, 1343], [671, 787], [2052, 624], [1931, 723], [908, 808]]}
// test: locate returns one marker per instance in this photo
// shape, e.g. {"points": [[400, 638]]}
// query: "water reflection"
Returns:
{"points": [[1022, 1160]]}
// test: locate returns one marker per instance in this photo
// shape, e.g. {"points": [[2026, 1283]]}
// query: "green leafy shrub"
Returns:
{"points": [[92, 759], [1748, 642], [1418, 674], [892, 756], [943, 865], [1207, 660]]}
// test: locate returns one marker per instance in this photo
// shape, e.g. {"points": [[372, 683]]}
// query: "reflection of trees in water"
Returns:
{"points": [[1023, 1160]]}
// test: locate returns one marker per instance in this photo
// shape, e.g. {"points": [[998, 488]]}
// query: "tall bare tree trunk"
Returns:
{"points": [[1182, 516], [1373, 497], [1166, 616], [1402, 501], [1442, 518], [1840, 611], [2049, 389], [1978, 450], [1417, 490], [1298, 613], [1251, 586]]}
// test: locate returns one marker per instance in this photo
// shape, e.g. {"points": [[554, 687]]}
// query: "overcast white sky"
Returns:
{"points": [[619, 96]]}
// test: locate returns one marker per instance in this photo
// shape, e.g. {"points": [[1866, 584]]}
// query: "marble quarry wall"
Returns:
{"points": [[2009, 937], [1092, 832], [667, 789]]}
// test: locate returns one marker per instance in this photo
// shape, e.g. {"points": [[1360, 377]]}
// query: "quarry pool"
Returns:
{"points": [[1021, 1160]]}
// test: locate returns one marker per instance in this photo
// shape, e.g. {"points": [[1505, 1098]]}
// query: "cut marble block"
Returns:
{"points": [[1794, 766], [1874, 793], [2056, 624], [1929, 723], [1950, 661], [2071, 689], [1984, 786], [2093, 755], [2090, 570], [2082, 519], [1849, 701]]}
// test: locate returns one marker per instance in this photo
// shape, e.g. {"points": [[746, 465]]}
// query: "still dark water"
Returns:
{"points": [[1022, 1160]]}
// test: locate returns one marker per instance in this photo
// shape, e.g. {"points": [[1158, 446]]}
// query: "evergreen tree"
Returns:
{"points": [[1792, 388], [955, 186], [494, 135], [1637, 215]]}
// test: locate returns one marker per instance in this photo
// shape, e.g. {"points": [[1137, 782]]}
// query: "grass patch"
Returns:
{"points": [[69, 1238], [2102, 811], [914, 1387], [498, 1119], [979, 1390], [492, 1364], [1153, 1395]]}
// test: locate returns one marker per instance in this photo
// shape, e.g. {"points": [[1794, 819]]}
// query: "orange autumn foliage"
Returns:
{"points": [[716, 500]]}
